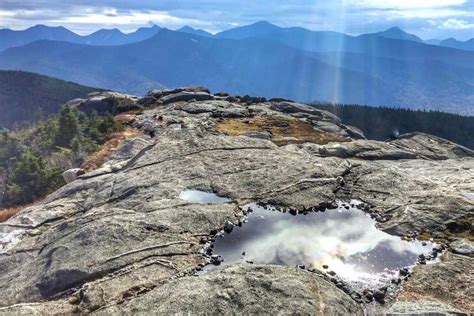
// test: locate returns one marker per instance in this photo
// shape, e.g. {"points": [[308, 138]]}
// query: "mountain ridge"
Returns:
{"points": [[179, 59], [25, 96], [43, 32]]}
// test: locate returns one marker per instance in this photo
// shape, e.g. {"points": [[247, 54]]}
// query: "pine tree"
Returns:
{"points": [[69, 127]]}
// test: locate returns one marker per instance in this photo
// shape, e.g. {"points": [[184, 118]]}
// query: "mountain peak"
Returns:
{"points": [[190, 30], [264, 24], [186, 28], [395, 29], [399, 34]]}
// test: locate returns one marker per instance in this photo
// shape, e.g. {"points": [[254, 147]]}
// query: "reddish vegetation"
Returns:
{"points": [[283, 130], [98, 158], [5, 214], [126, 118]]}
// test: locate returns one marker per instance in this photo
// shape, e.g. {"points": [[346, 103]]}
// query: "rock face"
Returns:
{"points": [[248, 289], [103, 102], [120, 240]]}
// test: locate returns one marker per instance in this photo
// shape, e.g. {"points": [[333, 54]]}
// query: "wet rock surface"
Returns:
{"points": [[121, 240]]}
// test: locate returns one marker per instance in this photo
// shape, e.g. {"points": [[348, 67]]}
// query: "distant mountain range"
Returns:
{"points": [[390, 68], [109, 37], [10, 38], [25, 96]]}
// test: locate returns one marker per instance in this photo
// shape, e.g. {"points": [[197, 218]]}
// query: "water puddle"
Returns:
{"points": [[343, 242], [201, 197]]}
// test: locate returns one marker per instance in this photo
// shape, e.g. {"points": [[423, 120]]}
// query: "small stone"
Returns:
{"points": [[404, 272], [379, 295], [369, 295], [75, 299], [228, 227], [332, 273], [325, 266], [293, 212]]}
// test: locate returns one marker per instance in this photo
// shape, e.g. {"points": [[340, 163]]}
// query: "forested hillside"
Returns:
{"points": [[382, 123], [33, 158], [25, 96]]}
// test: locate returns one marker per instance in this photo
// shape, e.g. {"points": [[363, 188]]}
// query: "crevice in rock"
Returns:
{"points": [[195, 153]]}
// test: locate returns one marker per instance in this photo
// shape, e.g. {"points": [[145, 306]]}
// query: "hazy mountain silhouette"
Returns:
{"points": [[10, 38], [267, 60], [453, 43], [397, 33], [190, 30]]}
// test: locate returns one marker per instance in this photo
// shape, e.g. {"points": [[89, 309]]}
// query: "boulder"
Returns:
{"points": [[72, 174], [147, 101], [165, 92], [186, 96], [431, 147], [108, 102], [462, 247]]}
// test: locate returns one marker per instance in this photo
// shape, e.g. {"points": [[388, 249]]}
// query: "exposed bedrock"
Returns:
{"points": [[120, 240]]}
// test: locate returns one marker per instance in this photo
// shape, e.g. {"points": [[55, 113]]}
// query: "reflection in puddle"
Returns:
{"points": [[201, 197], [342, 240]]}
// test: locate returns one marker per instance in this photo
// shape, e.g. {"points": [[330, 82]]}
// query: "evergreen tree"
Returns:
{"points": [[69, 127], [30, 179]]}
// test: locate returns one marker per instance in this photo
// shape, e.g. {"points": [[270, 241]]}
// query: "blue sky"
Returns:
{"points": [[425, 18]]}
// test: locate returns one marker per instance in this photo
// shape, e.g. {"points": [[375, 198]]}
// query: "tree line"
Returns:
{"points": [[32, 159], [380, 123]]}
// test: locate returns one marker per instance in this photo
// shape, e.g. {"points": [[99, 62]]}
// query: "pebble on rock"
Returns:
{"points": [[228, 227]]}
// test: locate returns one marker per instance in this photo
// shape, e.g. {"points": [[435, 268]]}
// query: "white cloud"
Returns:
{"points": [[406, 4], [350, 16], [453, 24]]}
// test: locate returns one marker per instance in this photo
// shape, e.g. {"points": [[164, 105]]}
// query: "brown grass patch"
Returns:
{"points": [[97, 159], [284, 131], [7, 213], [126, 118]]}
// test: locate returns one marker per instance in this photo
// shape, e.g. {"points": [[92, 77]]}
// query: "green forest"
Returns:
{"points": [[380, 123], [26, 97], [32, 159]]}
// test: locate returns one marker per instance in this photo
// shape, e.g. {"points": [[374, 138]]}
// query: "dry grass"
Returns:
{"points": [[284, 131], [97, 159], [127, 117], [7, 213]]}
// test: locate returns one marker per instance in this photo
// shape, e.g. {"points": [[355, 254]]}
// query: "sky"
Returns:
{"points": [[429, 19]]}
